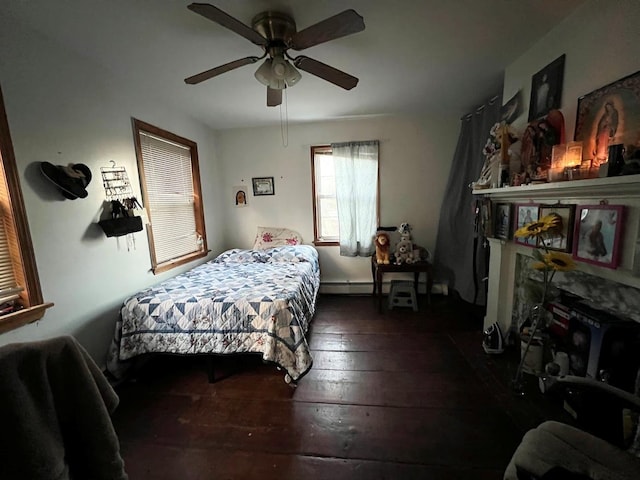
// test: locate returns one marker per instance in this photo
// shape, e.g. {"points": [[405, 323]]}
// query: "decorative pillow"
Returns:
{"points": [[268, 237]]}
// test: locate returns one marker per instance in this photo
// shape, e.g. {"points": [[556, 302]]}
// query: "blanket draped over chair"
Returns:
{"points": [[55, 414]]}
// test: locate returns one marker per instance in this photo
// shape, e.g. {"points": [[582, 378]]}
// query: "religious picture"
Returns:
{"points": [[546, 89], [597, 234], [609, 116], [240, 196]]}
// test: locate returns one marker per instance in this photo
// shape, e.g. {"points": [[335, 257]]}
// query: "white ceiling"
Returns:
{"points": [[414, 55]]}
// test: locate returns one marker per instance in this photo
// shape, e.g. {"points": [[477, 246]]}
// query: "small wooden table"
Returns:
{"points": [[379, 269]]}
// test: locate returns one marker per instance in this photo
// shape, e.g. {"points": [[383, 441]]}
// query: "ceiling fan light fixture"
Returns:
{"points": [[292, 75], [279, 67], [277, 84], [263, 73]]}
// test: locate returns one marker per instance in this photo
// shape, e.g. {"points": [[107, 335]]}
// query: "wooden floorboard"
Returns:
{"points": [[394, 395]]}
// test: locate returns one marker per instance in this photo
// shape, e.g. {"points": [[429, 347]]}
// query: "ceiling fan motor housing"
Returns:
{"points": [[278, 28]]}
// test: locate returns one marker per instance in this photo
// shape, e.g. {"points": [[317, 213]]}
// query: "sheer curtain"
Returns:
{"points": [[461, 256], [356, 171]]}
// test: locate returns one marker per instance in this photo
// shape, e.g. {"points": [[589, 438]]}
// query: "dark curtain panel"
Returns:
{"points": [[454, 255]]}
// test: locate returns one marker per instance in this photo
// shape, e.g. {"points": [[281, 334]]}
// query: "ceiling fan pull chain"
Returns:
{"points": [[284, 126]]}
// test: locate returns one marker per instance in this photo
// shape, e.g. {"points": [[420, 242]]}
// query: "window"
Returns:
{"points": [[345, 196], [20, 294], [325, 209], [170, 182]]}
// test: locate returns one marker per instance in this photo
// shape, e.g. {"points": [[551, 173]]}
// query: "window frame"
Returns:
{"points": [[159, 267], [22, 257], [318, 241]]}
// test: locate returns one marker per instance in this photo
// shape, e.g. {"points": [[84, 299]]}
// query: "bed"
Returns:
{"points": [[259, 300]]}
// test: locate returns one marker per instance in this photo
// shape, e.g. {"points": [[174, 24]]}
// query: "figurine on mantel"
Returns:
{"points": [[495, 171], [538, 140]]}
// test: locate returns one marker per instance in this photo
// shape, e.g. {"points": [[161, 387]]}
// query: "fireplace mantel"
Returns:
{"points": [[624, 190], [611, 187]]}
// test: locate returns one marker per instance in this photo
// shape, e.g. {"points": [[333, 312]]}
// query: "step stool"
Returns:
{"points": [[402, 294]]}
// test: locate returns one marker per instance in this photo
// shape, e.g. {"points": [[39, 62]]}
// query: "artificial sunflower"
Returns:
{"points": [[532, 229], [539, 266], [551, 223], [559, 262]]}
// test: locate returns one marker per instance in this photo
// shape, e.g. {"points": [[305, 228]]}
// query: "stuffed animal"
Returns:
{"points": [[405, 230], [382, 247], [404, 252]]}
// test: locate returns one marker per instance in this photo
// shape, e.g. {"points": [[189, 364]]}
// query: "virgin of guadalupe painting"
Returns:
{"points": [[609, 116]]}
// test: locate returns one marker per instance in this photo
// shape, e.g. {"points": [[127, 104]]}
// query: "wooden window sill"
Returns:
{"points": [[17, 319], [325, 243]]}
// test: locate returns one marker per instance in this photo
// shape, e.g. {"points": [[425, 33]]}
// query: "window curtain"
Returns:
{"points": [[461, 258], [356, 171]]}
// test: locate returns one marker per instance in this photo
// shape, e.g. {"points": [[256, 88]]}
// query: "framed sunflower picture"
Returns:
{"points": [[525, 213], [562, 239], [597, 234]]}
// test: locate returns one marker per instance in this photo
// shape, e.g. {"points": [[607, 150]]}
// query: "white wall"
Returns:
{"points": [[415, 157], [63, 108]]}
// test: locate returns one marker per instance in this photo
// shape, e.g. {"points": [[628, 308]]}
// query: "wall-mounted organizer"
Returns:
{"points": [[119, 193]]}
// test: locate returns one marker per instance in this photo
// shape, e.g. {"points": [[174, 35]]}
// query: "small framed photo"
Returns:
{"points": [[263, 186], [526, 213], [597, 234], [240, 196], [562, 241], [502, 219]]}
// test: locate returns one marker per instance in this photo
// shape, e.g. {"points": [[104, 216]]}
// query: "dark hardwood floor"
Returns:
{"points": [[397, 395]]}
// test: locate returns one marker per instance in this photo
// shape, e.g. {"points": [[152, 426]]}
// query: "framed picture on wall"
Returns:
{"points": [[525, 213], [562, 240], [597, 234], [502, 219], [240, 195], [608, 116], [546, 89], [263, 186]]}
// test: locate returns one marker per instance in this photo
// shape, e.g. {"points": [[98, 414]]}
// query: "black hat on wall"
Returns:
{"points": [[72, 180]]}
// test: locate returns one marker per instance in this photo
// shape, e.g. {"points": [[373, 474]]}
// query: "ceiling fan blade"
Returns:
{"points": [[201, 77], [227, 21], [324, 71], [340, 25], [274, 97]]}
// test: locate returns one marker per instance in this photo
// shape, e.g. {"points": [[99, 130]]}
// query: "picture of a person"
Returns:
{"points": [[597, 247], [607, 128], [241, 198], [542, 94]]}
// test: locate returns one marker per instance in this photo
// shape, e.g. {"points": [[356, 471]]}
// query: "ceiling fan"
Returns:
{"points": [[276, 33]]}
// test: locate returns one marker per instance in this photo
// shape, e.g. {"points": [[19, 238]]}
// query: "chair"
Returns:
{"points": [[555, 450]]}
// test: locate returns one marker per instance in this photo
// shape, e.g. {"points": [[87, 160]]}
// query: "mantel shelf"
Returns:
{"points": [[624, 186]]}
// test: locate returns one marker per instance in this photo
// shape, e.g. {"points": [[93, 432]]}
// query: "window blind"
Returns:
{"points": [[9, 288], [170, 197]]}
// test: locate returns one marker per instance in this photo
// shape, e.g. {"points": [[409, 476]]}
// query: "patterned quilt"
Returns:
{"points": [[242, 301]]}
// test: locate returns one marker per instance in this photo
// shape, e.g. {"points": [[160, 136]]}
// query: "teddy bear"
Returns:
{"points": [[382, 247], [404, 252]]}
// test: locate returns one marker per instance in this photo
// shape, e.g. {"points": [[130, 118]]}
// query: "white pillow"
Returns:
{"points": [[268, 237]]}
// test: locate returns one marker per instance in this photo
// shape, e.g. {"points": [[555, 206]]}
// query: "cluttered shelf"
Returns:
{"points": [[619, 186]]}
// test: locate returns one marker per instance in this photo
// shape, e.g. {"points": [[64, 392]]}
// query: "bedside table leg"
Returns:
{"points": [[379, 288]]}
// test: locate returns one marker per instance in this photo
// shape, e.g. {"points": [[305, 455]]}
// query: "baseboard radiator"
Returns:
{"points": [[366, 288]]}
